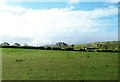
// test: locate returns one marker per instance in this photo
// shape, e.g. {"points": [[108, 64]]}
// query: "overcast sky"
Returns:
{"points": [[71, 21]]}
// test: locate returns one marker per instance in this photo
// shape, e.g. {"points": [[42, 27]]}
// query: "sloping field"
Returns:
{"points": [[28, 64]]}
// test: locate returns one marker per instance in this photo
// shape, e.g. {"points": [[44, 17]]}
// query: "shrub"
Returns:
{"points": [[48, 48], [56, 48], [69, 49], [106, 50], [41, 47], [82, 50]]}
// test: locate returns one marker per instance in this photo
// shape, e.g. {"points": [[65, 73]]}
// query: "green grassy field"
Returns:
{"points": [[58, 65]]}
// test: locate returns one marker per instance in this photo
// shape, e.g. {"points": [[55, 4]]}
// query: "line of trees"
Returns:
{"points": [[101, 47], [58, 46], [6, 44]]}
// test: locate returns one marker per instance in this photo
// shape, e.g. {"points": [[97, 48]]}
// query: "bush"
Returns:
{"points": [[41, 47], [98, 50], [107, 50], [69, 49], [82, 50], [115, 51], [48, 48], [8, 46], [29, 47], [56, 48]]}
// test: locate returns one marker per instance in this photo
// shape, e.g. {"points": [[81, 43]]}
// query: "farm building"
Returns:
{"points": [[90, 48]]}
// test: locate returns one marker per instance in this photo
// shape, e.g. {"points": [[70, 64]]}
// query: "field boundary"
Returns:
{"points": [[39, 48]]}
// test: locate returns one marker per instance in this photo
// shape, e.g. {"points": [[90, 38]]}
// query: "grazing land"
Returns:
{"points": [[31, 64]]}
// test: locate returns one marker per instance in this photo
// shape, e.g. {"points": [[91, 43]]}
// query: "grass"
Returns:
{"points": [[28, 64]]}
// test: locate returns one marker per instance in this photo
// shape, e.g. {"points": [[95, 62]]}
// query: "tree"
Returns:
{"points": [[106, 45], [5, 44], [17, 44], [98, 44], [61, 44], [72, 45], [64, 44], [26, 45], [0, 45]]}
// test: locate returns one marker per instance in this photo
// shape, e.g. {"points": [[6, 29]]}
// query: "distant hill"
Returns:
{"points": [[107, 45]]}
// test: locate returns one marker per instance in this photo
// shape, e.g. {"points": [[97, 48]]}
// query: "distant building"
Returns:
{"points": [[90, 48]]}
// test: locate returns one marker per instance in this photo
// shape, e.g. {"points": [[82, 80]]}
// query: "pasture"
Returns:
{"points": [[29, 64]]}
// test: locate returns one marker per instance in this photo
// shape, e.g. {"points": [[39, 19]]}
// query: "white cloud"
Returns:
{"points": [[2, 2], [113, 0], [49, 26], [73, 1], [12, 9], [111, 10]]}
